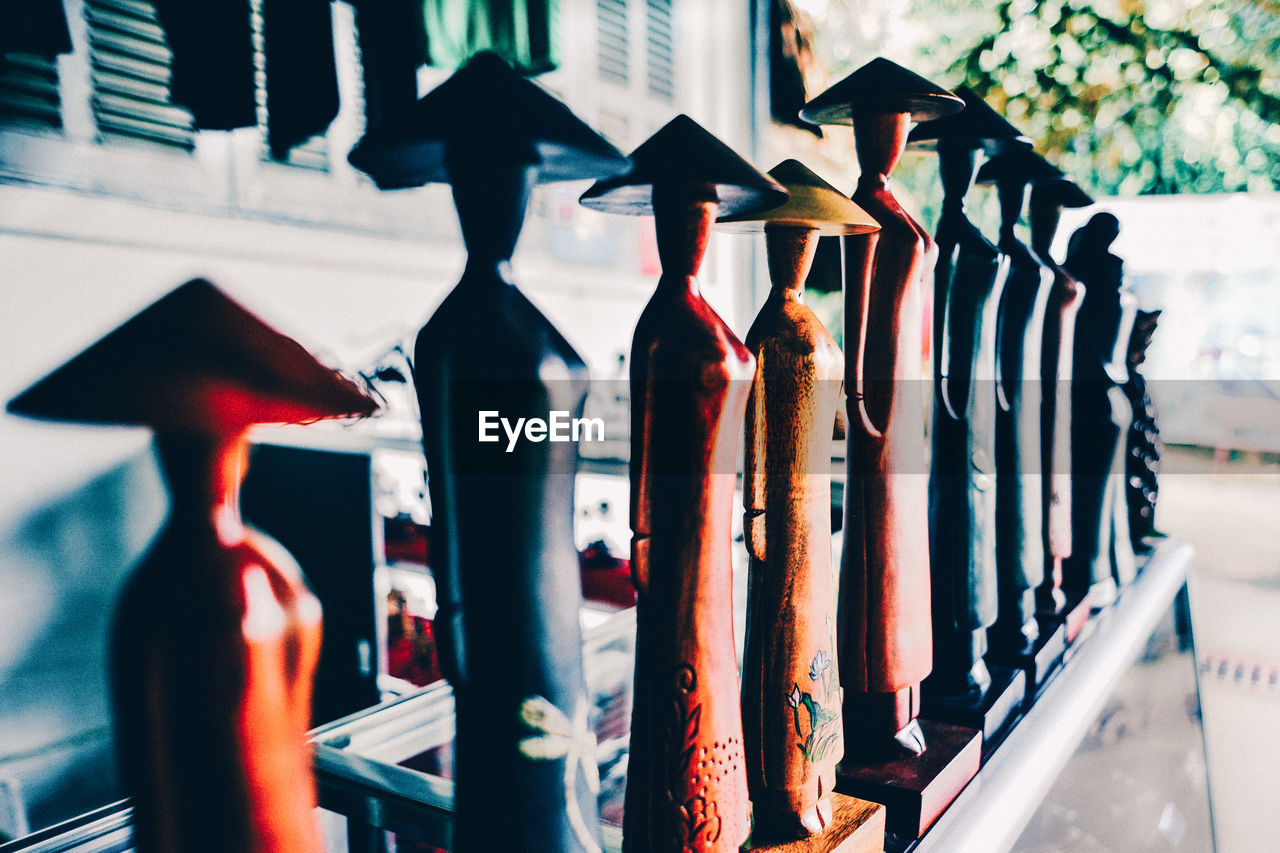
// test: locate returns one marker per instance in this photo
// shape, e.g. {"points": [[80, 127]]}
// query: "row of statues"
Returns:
{"points": [[1019, 519]]}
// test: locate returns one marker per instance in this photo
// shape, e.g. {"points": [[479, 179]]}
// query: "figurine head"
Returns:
{"points": [[1048, 197], [486, 114], [881, 98], [977, 127], [1095, 236], [684, 157], [195, 362], [1012, 171], [880, 87]]}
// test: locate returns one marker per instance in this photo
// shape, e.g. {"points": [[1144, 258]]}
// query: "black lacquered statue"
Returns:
{"points": [[1023, 316], [967, 282], [1020, 327], [508, 605], [1049, 196], [1100, 414], [1143, 465]]}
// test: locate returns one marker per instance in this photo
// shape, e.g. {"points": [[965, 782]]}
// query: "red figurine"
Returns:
{"points": [[690, 376], [216, 636], [883, 620]]}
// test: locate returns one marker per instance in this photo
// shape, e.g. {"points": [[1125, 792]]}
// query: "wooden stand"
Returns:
{"points": [[1039, 659], [857, 826], [1074, 616], [918, 788], [990, 713]]}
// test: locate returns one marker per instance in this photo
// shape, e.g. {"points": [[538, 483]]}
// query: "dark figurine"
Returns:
{"points": [[1100, 415], [967, 283], [507, 625], [1023, 308], [883, 625], [690, 377], [1144, 445], [790, 675], [216, 635], [1048, 198]]}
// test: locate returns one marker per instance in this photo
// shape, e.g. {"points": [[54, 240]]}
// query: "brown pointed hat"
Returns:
{"points": [[685, 152], [195, 361], [814, 203], [881, 86], [975, 126], [488, 110]]}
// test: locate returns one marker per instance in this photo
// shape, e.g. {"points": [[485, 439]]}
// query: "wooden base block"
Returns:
{"points": [[1076, 616], [1073, 616], [857, 826], [990, 714], [918, 788], [1039, 659]]}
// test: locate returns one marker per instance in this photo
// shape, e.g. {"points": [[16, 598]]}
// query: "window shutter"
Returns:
{"points": [[129, 62], [659, 50], [612, 49], [29, 91]]}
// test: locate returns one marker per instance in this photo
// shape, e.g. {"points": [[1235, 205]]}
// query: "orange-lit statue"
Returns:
{"points": [[790, 677], [216, 635], [884, 634], [690, 377]]}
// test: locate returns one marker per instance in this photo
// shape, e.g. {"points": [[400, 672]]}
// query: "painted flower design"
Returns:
{"points": [[821, 663], [559, 737], [820, 708]]}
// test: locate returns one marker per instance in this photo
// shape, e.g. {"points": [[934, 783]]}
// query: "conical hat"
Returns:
{"points": [[881, 86], [1062, 190], [1019, 162], [977, 126], [814, 203], [685, 152], [488, 109], [195, 361]]}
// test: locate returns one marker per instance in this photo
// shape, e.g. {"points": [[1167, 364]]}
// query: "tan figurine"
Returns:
{"points": [[790, 677]]}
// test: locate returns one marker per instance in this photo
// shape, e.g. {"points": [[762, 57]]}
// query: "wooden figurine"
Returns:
{"points": [[1015, 638], [690, 377], [790, 676], [1100, 414], [1143, 462], [507, 625], [884, 635], [216, 635], [967, 282], [1048, 198]]}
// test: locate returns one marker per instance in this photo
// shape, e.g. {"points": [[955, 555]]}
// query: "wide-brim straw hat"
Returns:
{"points": [[813, 204]]}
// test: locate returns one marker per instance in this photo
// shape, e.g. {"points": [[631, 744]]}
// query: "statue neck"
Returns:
{"points": [[790, 255], [683, 214], [204, 473]]}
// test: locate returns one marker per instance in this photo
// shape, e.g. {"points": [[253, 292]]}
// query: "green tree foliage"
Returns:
{"points": [[1146, 96], [1127, 96]]}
